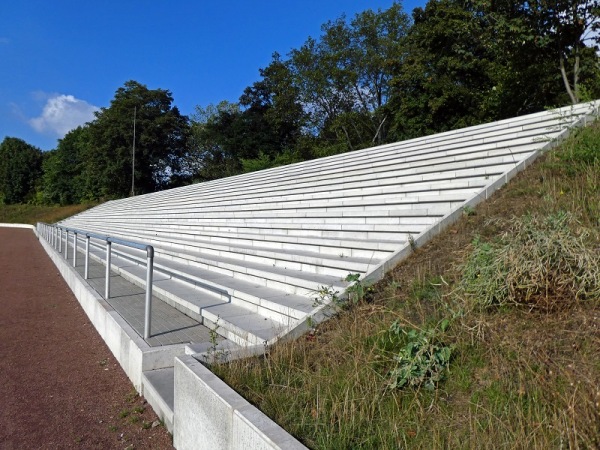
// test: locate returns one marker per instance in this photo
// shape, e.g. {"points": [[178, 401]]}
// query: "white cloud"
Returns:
{"points": [[61, 114]]}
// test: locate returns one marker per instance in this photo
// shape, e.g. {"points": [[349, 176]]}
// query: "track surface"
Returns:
{"points": [[60, 386]]}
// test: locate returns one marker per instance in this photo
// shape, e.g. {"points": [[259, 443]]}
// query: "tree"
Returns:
{"points": [[65, 180], [546, 47], [564, 26], [472, 61], [161, 134], [344, 78], [275, 101], [445, 75], [261, 130], [209, 156], [20, 169]]}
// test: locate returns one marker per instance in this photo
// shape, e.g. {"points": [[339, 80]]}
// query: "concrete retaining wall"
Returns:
{"points": [[210, 415]]}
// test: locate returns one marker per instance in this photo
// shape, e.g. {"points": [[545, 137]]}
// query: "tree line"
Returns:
{"points": [[378, 77]]}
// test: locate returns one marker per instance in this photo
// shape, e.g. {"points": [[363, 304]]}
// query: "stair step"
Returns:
{"points": [[158, 387]]}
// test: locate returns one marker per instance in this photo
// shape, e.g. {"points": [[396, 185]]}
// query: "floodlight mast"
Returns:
{"points": [[133, 155]]}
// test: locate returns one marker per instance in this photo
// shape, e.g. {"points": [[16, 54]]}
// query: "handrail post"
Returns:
{"points": [[74, 249], [59, 240], [107, 281], [66, 244], [87, 257], [148, 311]]}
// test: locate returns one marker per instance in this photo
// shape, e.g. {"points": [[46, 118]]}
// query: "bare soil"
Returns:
{"points": [[60, 386]]}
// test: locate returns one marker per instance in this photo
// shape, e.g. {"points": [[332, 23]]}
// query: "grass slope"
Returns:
{"points": [[31, 214], [487, 337]]}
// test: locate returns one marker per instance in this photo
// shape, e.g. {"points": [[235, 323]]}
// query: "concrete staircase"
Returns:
{"points": [[247, 254]]}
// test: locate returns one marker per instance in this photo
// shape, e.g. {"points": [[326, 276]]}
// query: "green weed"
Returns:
{"points": [[422, 360]]}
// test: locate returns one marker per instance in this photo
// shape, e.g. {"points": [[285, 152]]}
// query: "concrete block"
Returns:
{"points": [[210, 415], [158, 389], [254, 430]]}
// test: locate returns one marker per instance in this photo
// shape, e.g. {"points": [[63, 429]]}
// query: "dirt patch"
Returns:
{"points": [[61, 386]]}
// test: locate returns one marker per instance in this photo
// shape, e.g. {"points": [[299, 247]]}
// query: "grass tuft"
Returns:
{"points": [[538, 261]]}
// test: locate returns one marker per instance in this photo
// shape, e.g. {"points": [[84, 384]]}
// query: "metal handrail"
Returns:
{"points": [[54, 236]]}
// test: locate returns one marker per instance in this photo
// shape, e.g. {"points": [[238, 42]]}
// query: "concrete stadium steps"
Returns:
{"points": [[339, 188], [286, 280], [279, 248], [543, 130], [265, 311], [246, 254]]}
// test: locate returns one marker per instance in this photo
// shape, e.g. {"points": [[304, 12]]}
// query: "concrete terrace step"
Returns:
{"points": [[328, 188], [387, 216], [197, 289], [224, 273], [432, 150], [197, 227], [430, 159], [183, 238], [545, 123], [241, 196], [266, 313], [158, 389], [351, 246]]}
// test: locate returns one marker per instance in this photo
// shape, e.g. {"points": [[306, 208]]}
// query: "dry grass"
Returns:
{"points": [[31, 214], [519, 378]]}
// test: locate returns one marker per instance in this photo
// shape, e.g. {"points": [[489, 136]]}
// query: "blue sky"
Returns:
{"points": [[61, 60]]}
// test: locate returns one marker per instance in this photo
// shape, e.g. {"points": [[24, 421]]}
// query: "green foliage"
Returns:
{"points": [[484, 274], [263, 161], [357, 291], [63, 180], [540, 261], [161, 138], [343, 78], [20, 168], [583, 150], [422, 359], [326, 295]]}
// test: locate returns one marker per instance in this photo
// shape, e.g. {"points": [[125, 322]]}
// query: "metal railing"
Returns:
{"points": [[55, 235]]}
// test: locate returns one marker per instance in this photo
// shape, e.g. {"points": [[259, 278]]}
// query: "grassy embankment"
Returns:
{"points": [[487, 337], [31, 214]]}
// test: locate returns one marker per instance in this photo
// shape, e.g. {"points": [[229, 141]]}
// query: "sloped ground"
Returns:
{"points": [[523, 373], [60, 386]]}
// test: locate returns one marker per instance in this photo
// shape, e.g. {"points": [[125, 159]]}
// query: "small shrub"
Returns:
{"points": [[326, 295], [357, 291], [423, 359]]}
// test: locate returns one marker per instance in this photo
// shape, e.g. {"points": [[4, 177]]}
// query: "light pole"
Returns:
{"points": [[133, 155]]}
